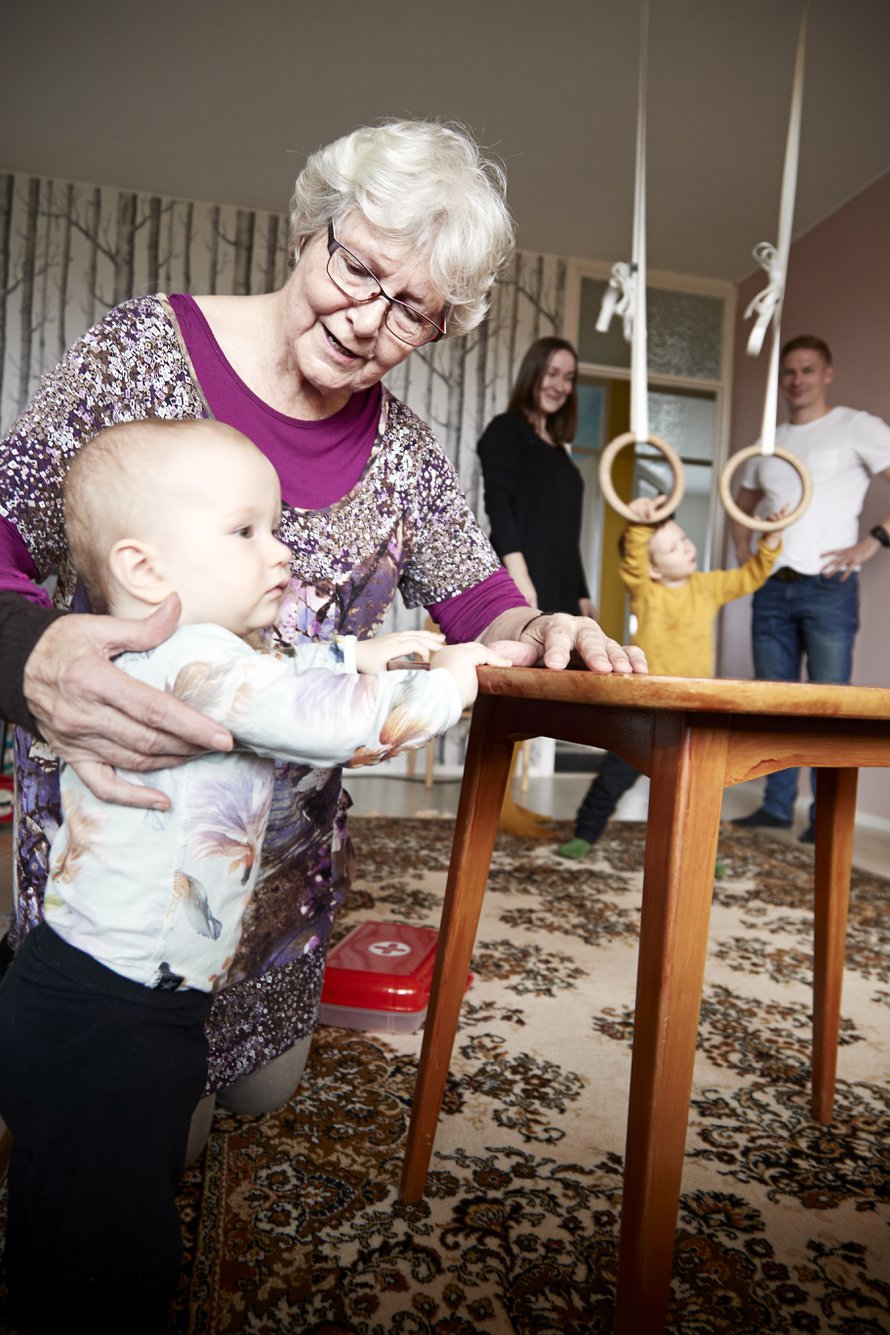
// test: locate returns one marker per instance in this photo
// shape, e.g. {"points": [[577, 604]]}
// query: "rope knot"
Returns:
{"points": [[769, 301], [620, 298]]}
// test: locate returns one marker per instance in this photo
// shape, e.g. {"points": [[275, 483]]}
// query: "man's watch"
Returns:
{"points": [[881, 534]]}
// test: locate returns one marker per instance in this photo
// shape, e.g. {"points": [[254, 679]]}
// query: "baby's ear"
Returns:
{"points": [[654, 572], [135, 568]]}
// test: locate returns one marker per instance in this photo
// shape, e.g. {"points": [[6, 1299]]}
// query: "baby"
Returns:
{"points": [[102, 1046]]}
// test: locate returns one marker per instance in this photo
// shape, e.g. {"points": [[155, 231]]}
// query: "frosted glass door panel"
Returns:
{"points": [[685, 332], [686, 421], [609, 349]]}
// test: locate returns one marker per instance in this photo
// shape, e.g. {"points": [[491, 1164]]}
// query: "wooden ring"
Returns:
{"points": [[670, 454], [753, 522]]}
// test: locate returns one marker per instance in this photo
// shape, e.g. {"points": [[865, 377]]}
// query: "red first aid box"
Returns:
{"points": [[378, 978], [5, 798]]}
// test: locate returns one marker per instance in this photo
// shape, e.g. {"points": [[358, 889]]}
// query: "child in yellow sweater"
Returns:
{"points": [[676, 608]]}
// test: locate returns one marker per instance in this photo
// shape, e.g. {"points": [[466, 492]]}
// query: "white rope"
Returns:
{"points": [[767, 305], [626, 293]]}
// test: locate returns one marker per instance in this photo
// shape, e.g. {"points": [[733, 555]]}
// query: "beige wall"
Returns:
{"points": [[838, 288]]}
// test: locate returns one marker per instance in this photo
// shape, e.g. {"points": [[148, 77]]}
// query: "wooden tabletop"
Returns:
{"points": [[723, 695]]}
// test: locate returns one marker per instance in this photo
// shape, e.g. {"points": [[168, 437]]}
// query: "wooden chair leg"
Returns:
{"points": [[835, 817], [526, 763], [519, 820]]}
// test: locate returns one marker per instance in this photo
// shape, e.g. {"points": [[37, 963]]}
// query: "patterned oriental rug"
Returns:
{"points": [[292, 1223]]}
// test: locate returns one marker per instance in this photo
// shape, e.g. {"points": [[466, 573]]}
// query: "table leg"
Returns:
{"points": [[835, 815], [687, 774], [485, 778]]}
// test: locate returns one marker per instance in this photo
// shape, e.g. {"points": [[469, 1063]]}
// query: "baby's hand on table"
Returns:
{"points": [[461, 660], [372, 656]]}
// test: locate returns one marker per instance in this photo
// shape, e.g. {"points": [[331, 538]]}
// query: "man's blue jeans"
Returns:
{"points": [[812, 617]]}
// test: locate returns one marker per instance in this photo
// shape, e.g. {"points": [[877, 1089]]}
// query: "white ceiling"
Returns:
{"points": [[222, 99]]}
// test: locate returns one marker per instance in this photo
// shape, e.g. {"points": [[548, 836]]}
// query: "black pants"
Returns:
{"points": [[6, 954], [614, 777], [99, 1077]]}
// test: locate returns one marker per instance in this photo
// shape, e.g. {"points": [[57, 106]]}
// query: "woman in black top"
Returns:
{"points": [[534, 494]]}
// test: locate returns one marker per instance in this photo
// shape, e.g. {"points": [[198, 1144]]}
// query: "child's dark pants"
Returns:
{"points": [[99, 1077], [614, 777]]}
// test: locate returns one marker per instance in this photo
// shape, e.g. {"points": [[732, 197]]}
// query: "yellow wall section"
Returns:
{"points": [[611, 591]]}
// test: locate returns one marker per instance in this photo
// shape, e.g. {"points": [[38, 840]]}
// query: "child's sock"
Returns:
{"points": [[575, 848]]}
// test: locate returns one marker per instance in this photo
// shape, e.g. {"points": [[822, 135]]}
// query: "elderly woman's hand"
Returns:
{"points": [[96, 717], [550, 639]]}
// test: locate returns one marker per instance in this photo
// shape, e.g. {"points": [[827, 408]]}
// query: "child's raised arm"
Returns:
{"points": [[644, 508], [774, 539]]}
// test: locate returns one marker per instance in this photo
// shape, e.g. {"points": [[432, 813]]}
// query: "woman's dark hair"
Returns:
{"points": [[561, 425]]}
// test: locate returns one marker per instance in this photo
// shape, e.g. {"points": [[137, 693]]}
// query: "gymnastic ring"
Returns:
{"points": [[753, 522], [607, 458]]}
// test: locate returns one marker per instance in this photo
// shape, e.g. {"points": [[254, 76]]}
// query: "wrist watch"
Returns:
{"points": [[881, 534]]}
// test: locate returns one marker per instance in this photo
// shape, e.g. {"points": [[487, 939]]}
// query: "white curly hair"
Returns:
{"points": [[425, 183]]}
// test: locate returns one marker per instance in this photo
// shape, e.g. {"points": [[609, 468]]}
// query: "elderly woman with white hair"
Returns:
{"points": [[398, 233]]}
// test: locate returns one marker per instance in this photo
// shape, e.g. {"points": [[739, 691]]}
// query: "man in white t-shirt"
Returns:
{"points": [[809, 607]]}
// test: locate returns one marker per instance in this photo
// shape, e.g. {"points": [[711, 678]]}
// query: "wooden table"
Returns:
{"points": [[693, 738]]}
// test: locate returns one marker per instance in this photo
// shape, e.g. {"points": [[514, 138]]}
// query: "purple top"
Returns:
{"points": [[17, 571], [318, 462], [465, 616]]}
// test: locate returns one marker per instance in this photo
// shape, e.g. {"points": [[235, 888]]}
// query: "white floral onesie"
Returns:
{"points": [[160, 896]]}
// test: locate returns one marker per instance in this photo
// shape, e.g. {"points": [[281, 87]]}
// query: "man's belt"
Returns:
{"points": [[787, 576]]}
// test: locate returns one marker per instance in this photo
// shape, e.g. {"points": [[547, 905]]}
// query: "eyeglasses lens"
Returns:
{"points": [[357, 281]]}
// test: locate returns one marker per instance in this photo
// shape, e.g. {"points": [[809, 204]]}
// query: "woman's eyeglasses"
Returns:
{"points": [[356, 281]]}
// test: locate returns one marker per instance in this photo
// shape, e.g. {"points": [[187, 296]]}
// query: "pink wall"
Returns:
{"points": [[838, 288]]}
